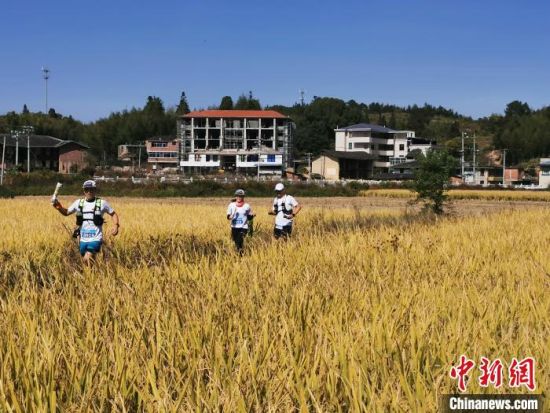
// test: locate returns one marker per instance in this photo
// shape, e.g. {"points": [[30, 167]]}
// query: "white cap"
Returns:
{"points": [[239, 192], [279, 187], [89, 184]]}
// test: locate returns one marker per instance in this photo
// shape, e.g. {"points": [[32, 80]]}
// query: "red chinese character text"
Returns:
{"points": [[491, 373], [459, 372], [522, 373]]}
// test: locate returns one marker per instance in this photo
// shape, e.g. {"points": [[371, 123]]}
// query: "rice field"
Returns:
{"points": [[456, 194], [365, 309]]}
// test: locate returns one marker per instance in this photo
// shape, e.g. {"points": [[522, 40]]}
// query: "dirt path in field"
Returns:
{"points": [[460, 207]]}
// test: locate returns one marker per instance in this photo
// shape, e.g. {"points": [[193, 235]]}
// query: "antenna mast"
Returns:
{"points": [[46, 76]]}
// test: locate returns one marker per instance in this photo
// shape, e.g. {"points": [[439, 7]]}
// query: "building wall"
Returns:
{"points": [[512, 175], [72, 159], [390, 148], [162, 153], [236, 137], [327, 167], [544, 174]]}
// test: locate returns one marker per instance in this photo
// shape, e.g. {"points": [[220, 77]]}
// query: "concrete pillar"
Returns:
{"points": [[192, 135], [221, 133], [274, 133], [259, 133], [244, 133], [207, 131]]}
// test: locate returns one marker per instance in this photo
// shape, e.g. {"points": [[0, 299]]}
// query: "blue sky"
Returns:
{"points": [[471, 56]]}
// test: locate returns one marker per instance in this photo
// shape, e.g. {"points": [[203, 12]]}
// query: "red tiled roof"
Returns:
{"points": [[236, 114]]}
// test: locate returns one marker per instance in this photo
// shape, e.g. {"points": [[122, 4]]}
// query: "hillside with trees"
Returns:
{"points": [[525, 132]]}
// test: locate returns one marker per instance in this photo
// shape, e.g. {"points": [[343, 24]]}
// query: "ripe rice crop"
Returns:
{"points": [[492, 195], [360, 311]]}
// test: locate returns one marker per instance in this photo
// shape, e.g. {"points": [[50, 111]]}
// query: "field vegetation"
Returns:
{"points": [[456, 194], [360, 311]]}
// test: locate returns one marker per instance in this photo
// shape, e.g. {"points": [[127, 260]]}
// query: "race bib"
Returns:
{"points": [[89, 232]]}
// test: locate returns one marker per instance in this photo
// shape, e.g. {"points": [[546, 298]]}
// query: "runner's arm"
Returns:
{"points": [[230, 212], [116, 223], [63, 211], [296, 209]]}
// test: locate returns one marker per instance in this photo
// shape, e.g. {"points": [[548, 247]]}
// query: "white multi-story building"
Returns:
{"points": [[247, 141], [390, 147], [544, 174]]}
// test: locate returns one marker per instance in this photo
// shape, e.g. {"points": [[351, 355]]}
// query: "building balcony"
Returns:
{"points": [[162, 160], [201, 164]]}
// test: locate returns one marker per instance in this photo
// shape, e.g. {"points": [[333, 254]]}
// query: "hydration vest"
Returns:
{"points": [[97, 219], [282, 208]]}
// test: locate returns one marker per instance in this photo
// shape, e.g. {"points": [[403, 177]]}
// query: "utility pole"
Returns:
{"points": [[309, 164], [258, 171], [504, 167], [46, 76], [3, 161], [28, 130], [474, 160], [15, 134], [462, 158]]}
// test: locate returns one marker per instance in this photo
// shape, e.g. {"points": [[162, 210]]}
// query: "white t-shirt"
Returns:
{"points": [[287, 201], [239, 215], [89, 232]]}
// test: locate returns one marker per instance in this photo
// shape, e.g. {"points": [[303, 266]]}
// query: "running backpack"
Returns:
{"points": [[97, 218], [282, 208]]}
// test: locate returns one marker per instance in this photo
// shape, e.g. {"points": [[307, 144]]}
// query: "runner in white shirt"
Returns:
{"points": [[285, 208], [240, 214], [89, 219]]}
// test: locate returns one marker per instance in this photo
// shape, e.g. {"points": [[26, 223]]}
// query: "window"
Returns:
{"points": [[350, 145], [270, 158], [401, 146], [373, 146], [242, 158], [197, 158], [163, 154], [252, 158], [159, 144]]}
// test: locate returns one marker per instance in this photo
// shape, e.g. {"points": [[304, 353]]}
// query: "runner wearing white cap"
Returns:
{"points": [[285, 208], [240, 214], [89, 220]]}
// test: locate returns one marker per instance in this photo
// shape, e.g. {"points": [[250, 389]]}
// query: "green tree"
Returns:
{"points": [[242, 103], [393, 121], [25, 109], [432, 179], [253, 103], [517, 108], [183, 106], [248, 103], [226, 103], [53, 114]]}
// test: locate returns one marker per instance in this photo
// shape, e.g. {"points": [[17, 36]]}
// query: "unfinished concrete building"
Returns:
{"points": [[242, 141]]}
